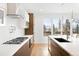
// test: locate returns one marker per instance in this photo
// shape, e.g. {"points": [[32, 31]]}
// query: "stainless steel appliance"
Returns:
{"points": [[17, 40]]}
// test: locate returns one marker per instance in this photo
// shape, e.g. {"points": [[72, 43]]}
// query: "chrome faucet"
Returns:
{"points": [[67, 28], [67, 33], [67, 36]]}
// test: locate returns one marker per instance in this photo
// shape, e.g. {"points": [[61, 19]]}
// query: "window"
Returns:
{"points": [[56, 26], [1, 17], [66, 27], [75, 26], [47, 27]]}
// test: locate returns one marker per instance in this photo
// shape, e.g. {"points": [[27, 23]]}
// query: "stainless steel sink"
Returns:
{"points": [[61, 40], [17, 40]]}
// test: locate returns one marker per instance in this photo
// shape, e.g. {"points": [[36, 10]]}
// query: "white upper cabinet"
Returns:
{"points": [[15, 11], [24, 15], [3, 6], [2, 13], [22, 12]]}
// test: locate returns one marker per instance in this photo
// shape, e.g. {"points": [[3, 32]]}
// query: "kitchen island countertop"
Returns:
{"points": [[11, 49], [71, 47]]}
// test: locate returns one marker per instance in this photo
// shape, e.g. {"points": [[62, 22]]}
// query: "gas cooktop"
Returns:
{"points": [[17, 40]]}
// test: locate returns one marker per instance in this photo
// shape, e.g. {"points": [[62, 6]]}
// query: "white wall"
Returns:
{"points": [[38, 28], [5, 30], [16, 22]]}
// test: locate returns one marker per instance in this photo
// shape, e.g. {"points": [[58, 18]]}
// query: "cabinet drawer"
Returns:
{"points": [[56, 50], [53, 43], [24, 50], [63, 52]]}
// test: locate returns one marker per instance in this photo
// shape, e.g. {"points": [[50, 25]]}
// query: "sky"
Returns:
{"points": [[48, 22]]}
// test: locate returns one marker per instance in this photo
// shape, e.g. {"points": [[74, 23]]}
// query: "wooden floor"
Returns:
{"points": [[40, 50]]}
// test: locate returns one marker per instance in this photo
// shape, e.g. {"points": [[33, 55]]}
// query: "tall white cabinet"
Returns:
{"points": [[3, 10]]}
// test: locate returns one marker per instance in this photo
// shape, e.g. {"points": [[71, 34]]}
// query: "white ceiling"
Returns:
{"points": [[50, 7]]}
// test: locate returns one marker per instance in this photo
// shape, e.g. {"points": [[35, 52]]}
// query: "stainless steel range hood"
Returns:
{"points": [[13, 11], [14, 16]]}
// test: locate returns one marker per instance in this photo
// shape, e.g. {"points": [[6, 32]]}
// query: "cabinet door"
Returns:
{"points": [[49, 45], [54, 49], [63, 52], [29, 31], [24, 50], [2, 14]]}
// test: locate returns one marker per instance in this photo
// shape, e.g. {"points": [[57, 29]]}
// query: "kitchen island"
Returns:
{"points": [[12, 49], [66, 48]]}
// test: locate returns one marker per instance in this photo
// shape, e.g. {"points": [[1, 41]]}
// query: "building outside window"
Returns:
{"points": [[75, 27], [66, 27], [56, 26]]}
